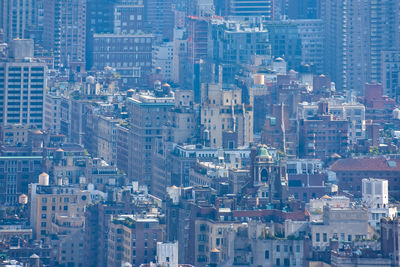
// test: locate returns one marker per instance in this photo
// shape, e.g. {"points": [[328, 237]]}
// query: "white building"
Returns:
{"points": [[375, 195], [304, 166], [167, 254]]}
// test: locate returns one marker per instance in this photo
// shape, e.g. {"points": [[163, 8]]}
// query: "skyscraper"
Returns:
{"points": [[148, 118], [22, 84], [64, 32], [16, 17], [357, 33]]}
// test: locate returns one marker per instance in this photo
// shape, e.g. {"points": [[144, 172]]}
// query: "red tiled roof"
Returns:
{"points": [[366, 164]]}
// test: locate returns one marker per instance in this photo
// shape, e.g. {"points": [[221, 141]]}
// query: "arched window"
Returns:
{"points": [[264, 175]]}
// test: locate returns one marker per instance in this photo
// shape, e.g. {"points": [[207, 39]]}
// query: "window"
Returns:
{"points": [[324, 237], [278, 248], [317, 237], [285, 248], [278, 262], [349, 238], [266, 254]]}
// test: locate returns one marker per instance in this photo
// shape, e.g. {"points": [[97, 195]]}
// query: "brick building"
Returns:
{"points": [[351, 171]]}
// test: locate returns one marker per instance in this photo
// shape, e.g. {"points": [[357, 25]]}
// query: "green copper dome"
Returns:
{"points": [[262, 151]]}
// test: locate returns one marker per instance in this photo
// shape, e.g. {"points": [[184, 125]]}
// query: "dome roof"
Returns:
{"points": [[262, 151]]}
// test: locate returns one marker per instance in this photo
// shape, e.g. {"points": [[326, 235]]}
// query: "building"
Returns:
{"points": [[97, 230], [133, 240], [359, 258], [298, 10], [306, 179], [99, 19], [23, 82], [149, 113], [159, 18], [341, 110], [47, 202], [342, 224], [286, 42], [101, 137], [129, 17], [167, 254], [375, 195], [311, 33], [351, 171], [390, 68], [129, 54], [64, 32], [322, 136], [363, 30], [17, 18], [268, 175], [226, 118], [16, 173], [52, 113], [208, 238], [253, 244], [163, 58], [390, 239], [251, 8]]}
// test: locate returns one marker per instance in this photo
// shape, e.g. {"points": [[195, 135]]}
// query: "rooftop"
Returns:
{"points": [[366, 164]]}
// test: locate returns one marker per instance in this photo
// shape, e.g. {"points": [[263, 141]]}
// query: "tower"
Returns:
{"points": [[269, 176]]}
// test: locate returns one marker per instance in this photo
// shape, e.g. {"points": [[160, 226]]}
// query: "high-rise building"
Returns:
{"points": [[99, 19], [311, 32], [235, 44], [390, 68], [357, 34], [17, 17], [302, 9], [385, 33], [23, 81], [129, 17], [64, 32], [159, 18], [129, 54], [149, 115], [285, 42]]}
